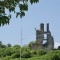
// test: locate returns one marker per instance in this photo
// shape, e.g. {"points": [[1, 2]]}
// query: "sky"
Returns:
{"points": [[46, 11]]}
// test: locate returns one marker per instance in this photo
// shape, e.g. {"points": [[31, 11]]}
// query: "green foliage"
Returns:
{"points": [[16, 55], [26, 54], [13, 53], [32, 44], [25, 48], [16, 49], [33, 52], [16, 46], [9, 51], [41, 52], [6, 58], [59, 47], [54, 55], [9, 45], [2, 45], [11, 6], [2, 52]]}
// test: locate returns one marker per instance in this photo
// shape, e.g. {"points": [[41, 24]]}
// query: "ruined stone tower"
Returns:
{"points": [[44, 40]]}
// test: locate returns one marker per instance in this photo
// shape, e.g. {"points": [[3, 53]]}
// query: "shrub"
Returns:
{"points": [[53, 55], [16, 55], [6, 58], [33, 52], [26, 54], [41, 52]]}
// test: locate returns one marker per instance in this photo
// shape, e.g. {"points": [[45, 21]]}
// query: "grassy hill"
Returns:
{"points": [[8, 52]]}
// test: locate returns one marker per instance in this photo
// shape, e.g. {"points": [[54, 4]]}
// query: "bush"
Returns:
{"points": [[33, 52], [26, 54], [41, 52], [16, 55], [53, 55], [6, 58]]}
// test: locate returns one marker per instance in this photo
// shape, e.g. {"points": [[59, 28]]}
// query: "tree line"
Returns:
{"points": [[10, 52]]}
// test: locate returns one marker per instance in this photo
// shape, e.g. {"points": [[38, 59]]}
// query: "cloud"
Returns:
{"points": [[56, 45]]}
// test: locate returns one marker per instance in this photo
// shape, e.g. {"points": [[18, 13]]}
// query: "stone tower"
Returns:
{"points": [[46, 43]]}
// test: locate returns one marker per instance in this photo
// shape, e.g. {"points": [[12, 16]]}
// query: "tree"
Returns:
{"points": [[26, 54], [0, 43], [33, 43], [3, 46], [11, 6], [9, 45], [59, 47], [41, 52]]}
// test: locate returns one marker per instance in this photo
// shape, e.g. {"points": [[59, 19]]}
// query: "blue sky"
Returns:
{"points": [[46, 11]]}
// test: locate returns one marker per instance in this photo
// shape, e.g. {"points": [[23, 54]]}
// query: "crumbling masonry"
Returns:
{"points": [[44, 40]]}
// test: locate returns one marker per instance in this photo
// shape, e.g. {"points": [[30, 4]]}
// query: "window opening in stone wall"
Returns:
{"points": [[45, 36]]}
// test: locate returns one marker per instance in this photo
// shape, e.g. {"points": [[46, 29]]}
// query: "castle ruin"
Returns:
{"points": [[44, 40]]}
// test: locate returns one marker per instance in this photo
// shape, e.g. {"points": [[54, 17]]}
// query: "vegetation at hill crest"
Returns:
{"points": [[9, 52]]}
